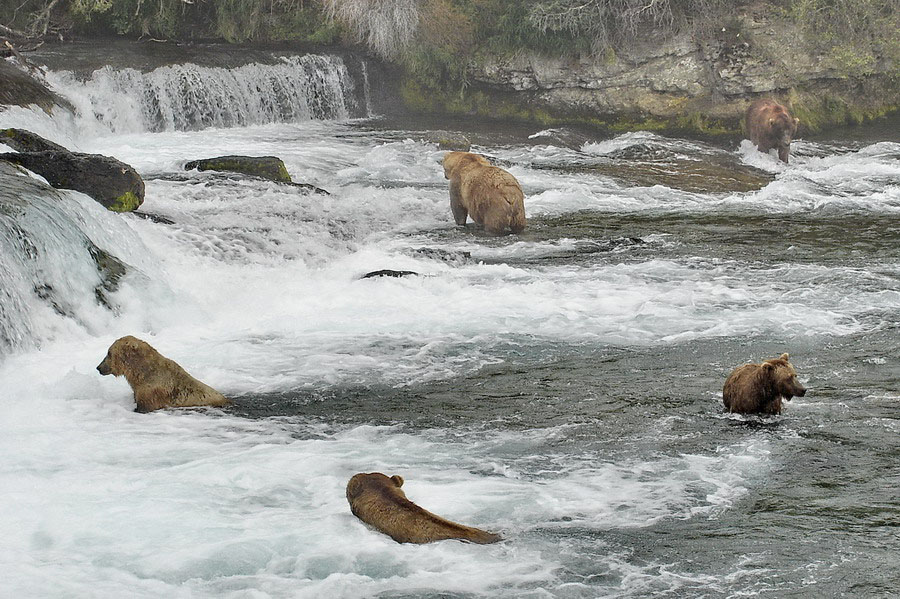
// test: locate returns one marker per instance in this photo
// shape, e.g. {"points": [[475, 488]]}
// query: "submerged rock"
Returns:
{"points": [[46, 253], [267, 167], [111, 182], [448, 140], [111, 271]]}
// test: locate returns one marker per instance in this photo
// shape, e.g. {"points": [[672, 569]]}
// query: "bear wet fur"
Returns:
{"points": [[760, 388], [489, 194], [157, 381], [770, 126], [378, 500]]}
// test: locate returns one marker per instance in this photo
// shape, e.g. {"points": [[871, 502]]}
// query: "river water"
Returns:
{"points": [[561, 387]]}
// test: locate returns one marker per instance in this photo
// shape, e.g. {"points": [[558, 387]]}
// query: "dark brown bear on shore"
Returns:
{"points": [[489, 194], [769, 126], [157, 381], [379, 502], [759, 388]]}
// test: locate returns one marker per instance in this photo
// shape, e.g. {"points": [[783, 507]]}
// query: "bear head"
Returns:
{"points": [[125, 355], [783, 377], [455, 160], [782, 127]]}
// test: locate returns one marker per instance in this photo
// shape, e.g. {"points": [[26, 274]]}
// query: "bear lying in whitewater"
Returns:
{"points": [[157, 381], [379, 501], [489, 194], [759, 388]]}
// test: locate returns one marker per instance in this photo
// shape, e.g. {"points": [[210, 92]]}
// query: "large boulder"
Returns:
{"points": [[267, 167], [109, 181]]}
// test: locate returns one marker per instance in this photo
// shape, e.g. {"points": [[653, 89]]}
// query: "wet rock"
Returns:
{"points": [[22, 140], [111, 271], [454, 257], [153, 217], [267, 167], [18, 88], [109, 181], [311, 188], [264, 167], [389, 273], [448, 140]]}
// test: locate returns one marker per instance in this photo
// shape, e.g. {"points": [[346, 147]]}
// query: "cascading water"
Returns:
{"points": [[561, 387], [187, 97]]}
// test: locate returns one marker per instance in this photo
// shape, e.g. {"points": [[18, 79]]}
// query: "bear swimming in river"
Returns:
{"points": [[759, 388], [489, 194], [379, 501], [157, 381], [769, 126]]}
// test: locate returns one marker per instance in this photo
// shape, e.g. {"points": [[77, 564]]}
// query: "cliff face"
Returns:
{"points": [[683, 79]]}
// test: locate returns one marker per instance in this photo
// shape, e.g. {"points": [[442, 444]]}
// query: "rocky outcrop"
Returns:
{"points": [[714, 76], [112, 183], [19, 88]]}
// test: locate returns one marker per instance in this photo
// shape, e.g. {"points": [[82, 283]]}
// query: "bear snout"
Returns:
{"points": [[103, 368], [796, 390]]}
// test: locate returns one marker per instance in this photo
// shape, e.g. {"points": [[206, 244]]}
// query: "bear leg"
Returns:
{"points": [[460, 212], [783, 152]]}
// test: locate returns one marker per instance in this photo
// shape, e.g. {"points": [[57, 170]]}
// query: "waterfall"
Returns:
{"points": [[54, 276], [187, 97]]}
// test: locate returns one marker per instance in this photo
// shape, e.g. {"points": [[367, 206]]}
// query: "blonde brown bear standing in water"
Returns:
{"points": [[489, 194], [379, 502], [759, 388], [157, 381]]}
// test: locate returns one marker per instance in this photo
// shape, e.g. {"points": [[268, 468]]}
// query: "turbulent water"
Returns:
{"points": [[561, 387]]}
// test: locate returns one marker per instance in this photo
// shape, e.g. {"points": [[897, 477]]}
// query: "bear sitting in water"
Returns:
{"points": [[759, 388], [769, 126], [489, 194], [157, 381]]}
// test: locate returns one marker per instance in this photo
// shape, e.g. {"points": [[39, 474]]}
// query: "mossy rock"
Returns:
{"points": [[448, 140], [23, 140], [266, 167], [111, 182]]}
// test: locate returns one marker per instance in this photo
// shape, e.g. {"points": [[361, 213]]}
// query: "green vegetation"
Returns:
{"points": [[852, 33], [436, 42], [229, 20], [126, 202]]}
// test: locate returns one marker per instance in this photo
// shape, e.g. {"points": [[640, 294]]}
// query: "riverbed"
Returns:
{"points": [[561, 387]]}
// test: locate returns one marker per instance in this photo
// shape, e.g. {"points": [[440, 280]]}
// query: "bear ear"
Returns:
{"points": [[398, 480], [784, 357], [767, 366]]}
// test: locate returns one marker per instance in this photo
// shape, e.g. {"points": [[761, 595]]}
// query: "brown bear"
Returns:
{"points": [[759, 388], [769, 125], [489, 194], [379, 502], [157, 381]]}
